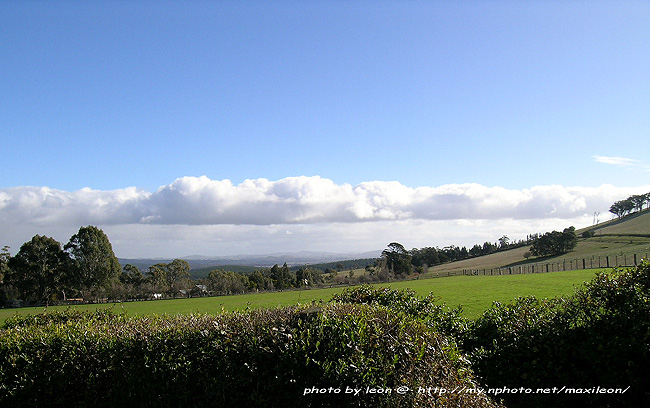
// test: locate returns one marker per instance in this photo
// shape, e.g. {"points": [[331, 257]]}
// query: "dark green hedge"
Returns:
{"points": [[264, 358], [598, 337]]}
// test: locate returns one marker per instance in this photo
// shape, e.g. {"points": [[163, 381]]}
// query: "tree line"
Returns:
{"points": [[44, 271], [632, 204], [400, 263], [432, 256]]}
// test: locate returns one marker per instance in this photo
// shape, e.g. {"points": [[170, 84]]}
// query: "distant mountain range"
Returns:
{"points": [[291, 259]]}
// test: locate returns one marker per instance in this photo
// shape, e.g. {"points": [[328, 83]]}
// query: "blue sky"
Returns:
{"points": [[106, 96]]}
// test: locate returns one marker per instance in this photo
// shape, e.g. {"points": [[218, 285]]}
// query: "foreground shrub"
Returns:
{"points": [[268, 358], [598, 337], [436, 315]]}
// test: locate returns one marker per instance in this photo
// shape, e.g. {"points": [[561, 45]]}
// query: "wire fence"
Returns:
{"points": [[566, 264]]}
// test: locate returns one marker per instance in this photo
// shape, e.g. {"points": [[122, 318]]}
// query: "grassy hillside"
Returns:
{"points": [[616, 239], [635, 224]]}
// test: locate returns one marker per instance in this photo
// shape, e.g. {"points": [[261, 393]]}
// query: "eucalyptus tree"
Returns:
{"points": [[638, 201], [398, 259], [37, 271], [132, 275], [178, 275], [93, 263], [5, 255]]}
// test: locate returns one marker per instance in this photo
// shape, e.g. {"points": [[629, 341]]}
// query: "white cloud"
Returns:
{"points": [[199, 215], [46, 206], [622, 161], [297, 200], [617, 161]]}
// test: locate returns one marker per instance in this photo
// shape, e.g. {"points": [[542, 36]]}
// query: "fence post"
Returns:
{"points": [[608, 261], [634, 259], [584, 265]]}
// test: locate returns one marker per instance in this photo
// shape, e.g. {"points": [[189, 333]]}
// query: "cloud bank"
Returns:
{"points": [[298, 200]]}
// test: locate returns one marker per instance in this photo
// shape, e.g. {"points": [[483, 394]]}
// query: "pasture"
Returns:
{"points": [[474, 293]]}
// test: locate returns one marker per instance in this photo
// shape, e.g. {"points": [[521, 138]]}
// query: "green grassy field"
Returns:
{"points": [[474, 293]]}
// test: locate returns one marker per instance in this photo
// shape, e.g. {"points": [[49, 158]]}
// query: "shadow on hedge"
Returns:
{"points": [[266, 358]]}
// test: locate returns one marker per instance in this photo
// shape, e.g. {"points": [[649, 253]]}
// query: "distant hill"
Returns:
{"points": [[202, 265], [200, 273], [345, 265]]}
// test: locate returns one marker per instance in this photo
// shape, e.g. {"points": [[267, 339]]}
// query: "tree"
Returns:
{"points": [[568, 240], [260, 281], [37, 270], [178, 275], [157, 274], [398, 259], [132, 281], [622, 207], [304, 277], [132, 276], [370, 270], [476, 250], [489, 248], [4, 260], [171, 277], [282, 277], [93, 262], [425, 256], [638, 201], [227, 282], [4, 269], [555, 243]]}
